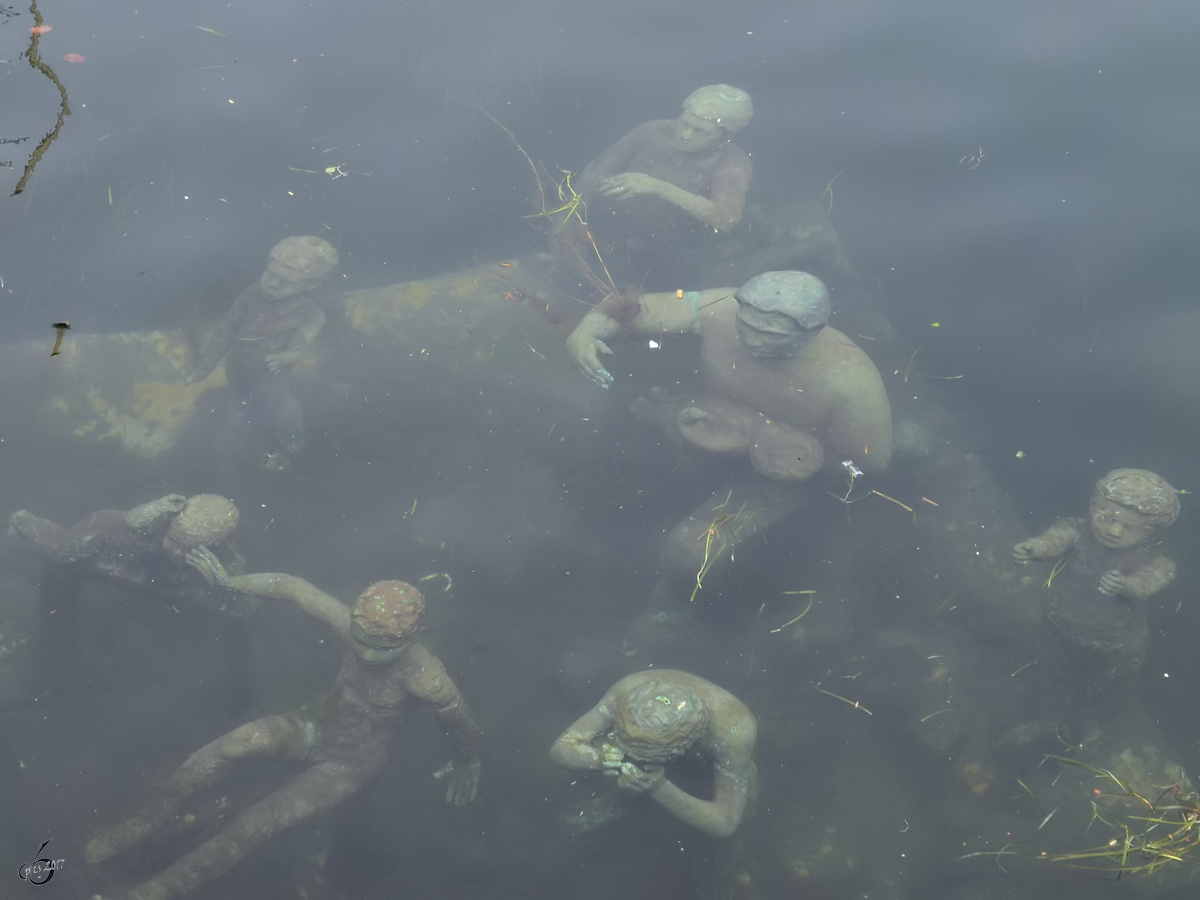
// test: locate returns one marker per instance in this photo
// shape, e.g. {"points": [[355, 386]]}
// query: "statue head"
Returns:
{"points": [[204, 521], [386, 619], [297, 265], [659, 720], [779, 312], [1129, 505], [711, 116], [729, 107]]}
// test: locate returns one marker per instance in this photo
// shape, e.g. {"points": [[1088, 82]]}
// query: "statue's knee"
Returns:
{"points": [[684, 549], [259, 736]]}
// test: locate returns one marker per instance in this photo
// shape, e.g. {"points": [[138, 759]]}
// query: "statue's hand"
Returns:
{"points": [[611, 758], [1026, 550], [277, 362], [628, 184], [639, 779], [206, 563], [18, 523], [462, 781], [584, 350], [1114, 583]]}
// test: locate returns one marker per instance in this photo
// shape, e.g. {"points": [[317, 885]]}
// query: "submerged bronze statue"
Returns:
{"points": [[341, 741]]}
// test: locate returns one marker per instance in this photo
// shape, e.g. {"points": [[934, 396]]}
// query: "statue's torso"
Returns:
{"points": [[792, 389]]}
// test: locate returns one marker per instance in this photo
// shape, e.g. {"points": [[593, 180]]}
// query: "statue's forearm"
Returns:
{"points": [[577, 751], [303, 336], [461, 728], [261, 585], [1060, 537], [223, 335], [311, 599], [693, 204], [1150, 579]]}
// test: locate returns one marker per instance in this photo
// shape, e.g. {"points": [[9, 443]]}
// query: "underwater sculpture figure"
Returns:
{"points": [[266, 331], [342, 739], [646, 720], [1110, 567], [780, 387], [655, 198], [147, 546]]}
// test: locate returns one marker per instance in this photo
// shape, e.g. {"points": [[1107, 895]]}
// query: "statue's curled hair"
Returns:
{"points": [[661, 718], [1143, 491]]}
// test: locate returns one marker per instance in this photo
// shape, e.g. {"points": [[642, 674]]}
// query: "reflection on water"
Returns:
{"points": [[904, 722]]}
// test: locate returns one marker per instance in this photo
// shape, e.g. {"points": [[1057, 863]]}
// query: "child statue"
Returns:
{"points": [[1110, 566]]}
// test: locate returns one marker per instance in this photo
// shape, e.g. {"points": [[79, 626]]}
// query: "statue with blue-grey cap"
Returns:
{"points": [[782, 390]]}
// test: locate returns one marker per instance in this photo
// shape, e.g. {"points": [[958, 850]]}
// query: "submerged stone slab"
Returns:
{"points": [[484, 327], [126, 388]]}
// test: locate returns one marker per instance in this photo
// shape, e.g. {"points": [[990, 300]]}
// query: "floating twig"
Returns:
{"points": [[898, 503], [853, 703], [713, 529], [944, 602], [1058, 567], [1033, 795], [811, 597], [910, 362]]}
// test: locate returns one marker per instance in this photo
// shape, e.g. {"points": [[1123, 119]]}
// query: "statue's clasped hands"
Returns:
{"points": [[611, 757], [640, 779], [630, 776]]}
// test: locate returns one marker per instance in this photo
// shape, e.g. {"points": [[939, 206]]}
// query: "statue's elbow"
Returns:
{"points": [[565, 754], [727, 223], [723, 827], [557, 756]]}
